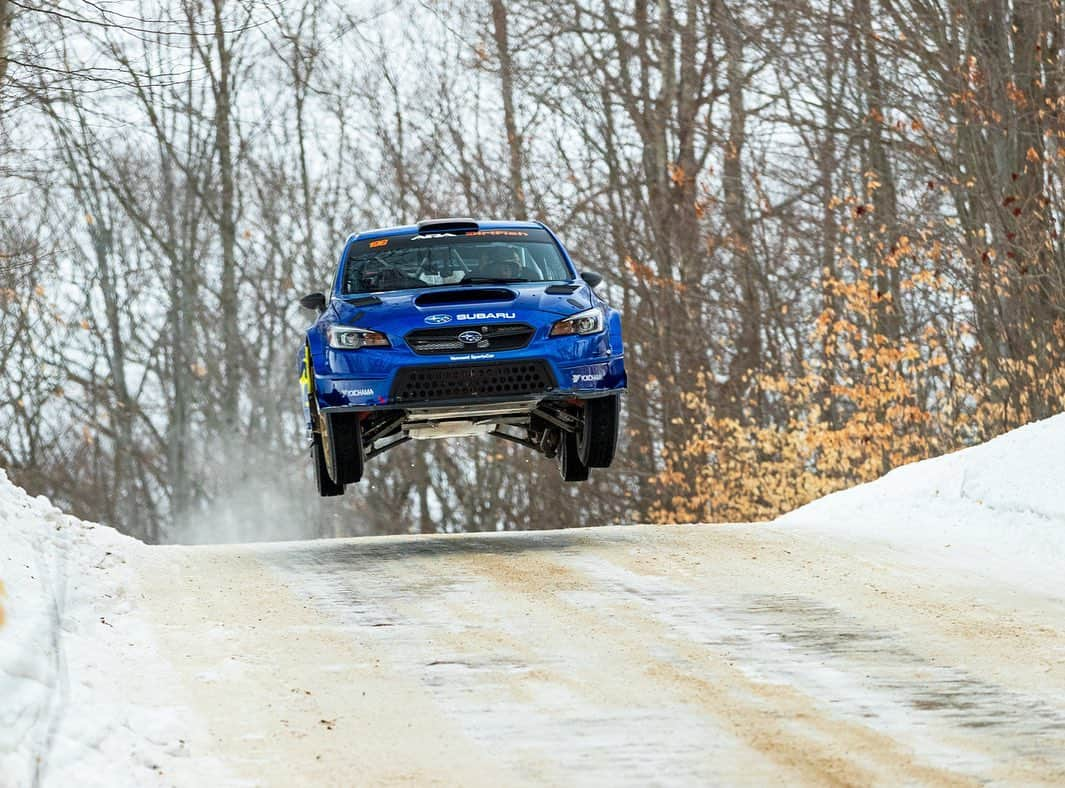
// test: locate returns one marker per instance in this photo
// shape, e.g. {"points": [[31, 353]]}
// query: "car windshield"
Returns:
{"points": [[481, 257]]}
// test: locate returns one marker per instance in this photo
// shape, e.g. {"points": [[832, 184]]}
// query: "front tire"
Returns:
{"points": [[327, 488], [569, 461], [598, 436], [345, 444]]}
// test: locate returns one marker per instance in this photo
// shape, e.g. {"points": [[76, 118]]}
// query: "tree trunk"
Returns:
{"points": [[5, 31], [748, 353], [227, 229], [882, 195], [506, 83]]}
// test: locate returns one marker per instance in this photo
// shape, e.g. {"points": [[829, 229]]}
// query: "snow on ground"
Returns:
{"points": [[997, 509], [87, 697], [84, 697]]}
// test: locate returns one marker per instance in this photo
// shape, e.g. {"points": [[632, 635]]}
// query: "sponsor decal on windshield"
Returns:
{"points": [[475, 234], [507, 233], [380, 242]]}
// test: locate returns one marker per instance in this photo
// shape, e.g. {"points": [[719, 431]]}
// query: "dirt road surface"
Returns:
{"points": [[611, 656]]}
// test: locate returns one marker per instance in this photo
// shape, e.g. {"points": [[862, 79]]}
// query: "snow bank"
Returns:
{"points": [[997, 509], [83, 693]]}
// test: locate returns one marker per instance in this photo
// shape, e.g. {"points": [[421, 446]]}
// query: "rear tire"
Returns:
{"points": [[598, 436], [569, 461], [327, 488]]}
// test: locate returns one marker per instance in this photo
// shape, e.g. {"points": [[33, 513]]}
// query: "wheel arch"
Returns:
{"points": [[617, 343], [316, 344]]}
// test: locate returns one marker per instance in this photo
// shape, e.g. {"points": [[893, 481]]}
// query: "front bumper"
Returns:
{"points": [[564, 379]]}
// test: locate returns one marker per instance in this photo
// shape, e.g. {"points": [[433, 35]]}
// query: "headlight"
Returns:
{"points": [[590, 321], [350, 338]]}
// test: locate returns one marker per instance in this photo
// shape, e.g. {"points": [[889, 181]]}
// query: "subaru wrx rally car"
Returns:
{"points": [[457, 327]]}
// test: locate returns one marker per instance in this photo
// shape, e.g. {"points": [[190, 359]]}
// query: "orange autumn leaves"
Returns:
{"points": [[862, 404]]}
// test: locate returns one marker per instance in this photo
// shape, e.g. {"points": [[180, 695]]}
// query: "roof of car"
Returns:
{"points": [[484, 224]]}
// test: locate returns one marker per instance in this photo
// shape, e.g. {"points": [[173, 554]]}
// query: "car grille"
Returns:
{"points": [[433, 341], [465, 381]]}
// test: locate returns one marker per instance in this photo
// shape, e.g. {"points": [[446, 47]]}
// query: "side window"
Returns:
{"points": [[351, 275]]}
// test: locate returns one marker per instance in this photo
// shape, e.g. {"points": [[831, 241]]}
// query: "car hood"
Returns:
{"points": [[404, 310]]}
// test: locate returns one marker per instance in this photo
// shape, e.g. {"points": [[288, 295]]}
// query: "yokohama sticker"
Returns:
{"points": [[588, 378]]}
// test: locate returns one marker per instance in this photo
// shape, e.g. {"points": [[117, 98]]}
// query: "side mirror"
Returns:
{"points": [[592, 278], [315, 301]]}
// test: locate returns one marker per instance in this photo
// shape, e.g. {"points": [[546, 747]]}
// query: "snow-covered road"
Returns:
{"points": [[639, 655], [906, 632]]}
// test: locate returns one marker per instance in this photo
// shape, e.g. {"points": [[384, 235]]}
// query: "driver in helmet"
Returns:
{"points": [[503, 262]]}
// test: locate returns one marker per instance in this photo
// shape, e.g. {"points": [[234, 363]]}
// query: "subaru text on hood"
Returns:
{"points": [[457, 327]]}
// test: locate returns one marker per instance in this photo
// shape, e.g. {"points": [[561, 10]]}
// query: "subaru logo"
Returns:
{"points": [[470, 337], [437, 320]]}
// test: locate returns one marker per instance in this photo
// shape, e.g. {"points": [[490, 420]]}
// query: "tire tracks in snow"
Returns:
{"points": [[636, 655], [800, 743]]}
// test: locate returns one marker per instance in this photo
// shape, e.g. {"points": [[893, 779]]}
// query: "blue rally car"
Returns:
{"points": [[457, 327]]}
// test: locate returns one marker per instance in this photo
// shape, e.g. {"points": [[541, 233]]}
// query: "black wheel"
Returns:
{"points": [[598, 437], [345, 445], [569, 460], [327, 488]]}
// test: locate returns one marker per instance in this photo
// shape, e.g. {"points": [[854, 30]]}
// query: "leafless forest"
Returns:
{"points": [[834, 228]]}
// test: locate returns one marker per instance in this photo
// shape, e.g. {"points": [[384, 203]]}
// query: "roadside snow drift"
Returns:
{"points": [[996, 509], [84, 697]]}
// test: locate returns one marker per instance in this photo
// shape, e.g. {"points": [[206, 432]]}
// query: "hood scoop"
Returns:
{"points": [[472, 295], [370, 300]]}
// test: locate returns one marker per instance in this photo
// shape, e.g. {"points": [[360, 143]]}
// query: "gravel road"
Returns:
{"points": [[610, 656]]}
